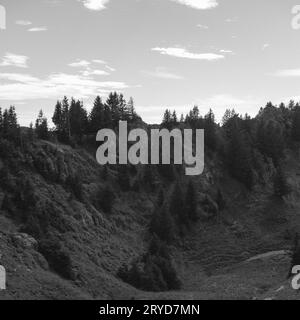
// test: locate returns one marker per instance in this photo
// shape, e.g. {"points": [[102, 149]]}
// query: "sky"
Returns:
{"points": [[164, 53]]}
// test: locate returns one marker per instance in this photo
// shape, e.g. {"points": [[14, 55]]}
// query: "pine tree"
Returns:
{"points": [[193, 117], [78, 119], [107, 122], [122, 108], [131, 113], [182, 118], [96, 117], [10, 127], [210, 130], [61, 119], [1, 122], [41, 126], [239, 157], [113, 104], [66, 130], [296, 124], [174, 118], [57, 118], [167, 120], [229, 114]]}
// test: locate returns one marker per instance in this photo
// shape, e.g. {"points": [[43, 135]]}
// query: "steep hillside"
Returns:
{"points": [[57, 242]]}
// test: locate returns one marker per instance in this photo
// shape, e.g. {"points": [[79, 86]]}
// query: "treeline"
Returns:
{"points": [[247, 145], [71, 119]]}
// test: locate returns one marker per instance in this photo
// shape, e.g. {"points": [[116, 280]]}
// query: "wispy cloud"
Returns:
{"points": [[20, 87], [162, 73], [198, 4], [183, 53], [201, 26], [80, 64], [96, 72], [95, 4], [38, 29], [88, 69], [23, 22], [195, 4], [288, 73], [226, 51], [99, 61], [265, 46], [14, 60], [110, 68]]}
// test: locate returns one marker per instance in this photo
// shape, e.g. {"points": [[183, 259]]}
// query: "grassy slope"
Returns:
{"points": [[209, 260]]}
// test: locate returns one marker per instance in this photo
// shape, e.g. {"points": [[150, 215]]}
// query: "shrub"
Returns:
{"points": [[57, 257], [153, 271]]}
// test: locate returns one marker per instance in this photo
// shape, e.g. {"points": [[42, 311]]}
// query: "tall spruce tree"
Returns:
{"points": [[10, 126], [57, 117], [41, 126], [296, 123], [239, 157], [113, 104], [96, 117], [78, 119], [210, 130]]}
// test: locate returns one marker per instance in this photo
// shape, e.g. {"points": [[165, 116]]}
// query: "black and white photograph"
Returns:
{"points": [[149, 151]]}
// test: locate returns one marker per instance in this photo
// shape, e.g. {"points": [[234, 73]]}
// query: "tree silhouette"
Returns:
{"points": [[41, 126]]}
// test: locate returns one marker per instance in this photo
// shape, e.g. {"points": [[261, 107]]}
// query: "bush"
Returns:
{"points": [[57, 257], [152, 272]]}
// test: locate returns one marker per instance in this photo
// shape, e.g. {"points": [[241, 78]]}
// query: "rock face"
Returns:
{"points": [[24, 240]]}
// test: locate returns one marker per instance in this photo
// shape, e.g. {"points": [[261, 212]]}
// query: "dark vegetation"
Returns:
{"points": [[248, 148]]}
